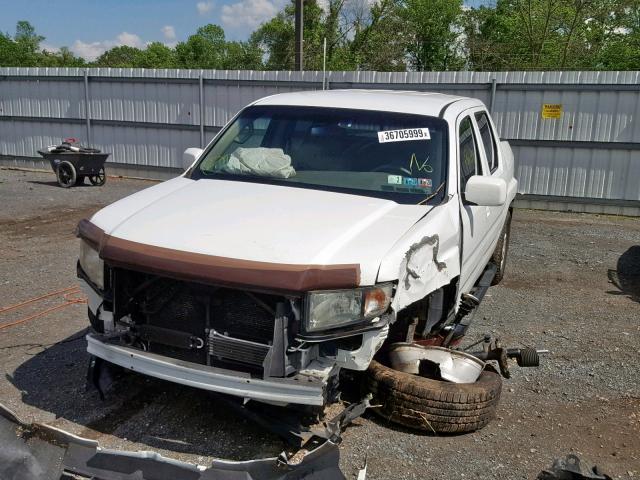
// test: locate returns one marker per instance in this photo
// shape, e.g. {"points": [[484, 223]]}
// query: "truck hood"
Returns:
{"points": [[262, 223]]}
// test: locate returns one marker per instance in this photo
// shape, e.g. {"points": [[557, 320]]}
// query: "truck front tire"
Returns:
{"points": [[432, 405]]}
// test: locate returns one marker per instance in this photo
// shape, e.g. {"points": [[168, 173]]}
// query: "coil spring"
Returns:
{"points": [[528, 358]]}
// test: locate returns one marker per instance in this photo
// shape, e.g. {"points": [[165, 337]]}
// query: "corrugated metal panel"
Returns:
{"points": [[24, 139], [63, 99], [144, 146], [145, 102], [578, 172], [597, 107]]}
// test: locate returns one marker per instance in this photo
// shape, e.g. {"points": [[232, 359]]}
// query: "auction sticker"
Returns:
{"points": [[404, 135]]}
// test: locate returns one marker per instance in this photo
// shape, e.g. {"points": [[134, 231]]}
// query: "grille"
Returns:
{"points": [[241, 324], [238, 315]]}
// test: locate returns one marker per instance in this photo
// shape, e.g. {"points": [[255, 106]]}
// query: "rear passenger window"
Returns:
{"points": [[488, 142], [469, 159]]}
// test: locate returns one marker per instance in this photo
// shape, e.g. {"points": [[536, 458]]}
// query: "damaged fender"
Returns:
{"points": [[428, 255], [39, 452]]}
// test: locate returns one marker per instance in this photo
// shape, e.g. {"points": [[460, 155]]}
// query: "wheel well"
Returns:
{"points": [[430, 312]]}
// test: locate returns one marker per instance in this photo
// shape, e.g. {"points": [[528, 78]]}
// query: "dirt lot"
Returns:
{"points": [[557, 294]]}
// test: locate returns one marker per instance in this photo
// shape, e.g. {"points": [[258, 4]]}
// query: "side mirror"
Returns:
{"points": [[486, 191], [189, 156]]}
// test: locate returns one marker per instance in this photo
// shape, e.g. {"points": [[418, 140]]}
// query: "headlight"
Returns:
{"points": [[339, 308], [92, 264]]}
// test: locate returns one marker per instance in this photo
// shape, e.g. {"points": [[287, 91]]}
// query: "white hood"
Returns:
{"points": [[266, 223]]}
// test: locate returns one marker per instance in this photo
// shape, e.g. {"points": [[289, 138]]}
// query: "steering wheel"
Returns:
{"points": [[392, 168]]}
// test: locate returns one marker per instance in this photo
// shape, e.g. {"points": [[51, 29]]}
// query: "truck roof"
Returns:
{"points": [[421, 103]]}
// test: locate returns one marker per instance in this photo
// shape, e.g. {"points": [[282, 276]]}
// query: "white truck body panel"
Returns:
{"points": [[419, 247]]}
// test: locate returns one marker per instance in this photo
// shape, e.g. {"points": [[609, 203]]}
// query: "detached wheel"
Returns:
{"points": [[99, 179], [66, 174], [499, 257], [432, 405]]}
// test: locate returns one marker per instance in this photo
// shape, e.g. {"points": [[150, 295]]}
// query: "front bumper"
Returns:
{"points": [[43, 451], [304, 390]]}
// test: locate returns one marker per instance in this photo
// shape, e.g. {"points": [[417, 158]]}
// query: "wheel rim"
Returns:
{"points": [[66, 175], [99, 178]]}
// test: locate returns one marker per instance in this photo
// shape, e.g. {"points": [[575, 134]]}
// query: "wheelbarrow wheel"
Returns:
{"points": [[66, 174], [99, 179]]}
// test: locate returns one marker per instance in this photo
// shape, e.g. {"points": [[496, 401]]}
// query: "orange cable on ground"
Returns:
{"points": [[68, 301], [26, 302]]}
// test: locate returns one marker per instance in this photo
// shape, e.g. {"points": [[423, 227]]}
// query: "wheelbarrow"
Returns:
{"points": [[71, 168]]}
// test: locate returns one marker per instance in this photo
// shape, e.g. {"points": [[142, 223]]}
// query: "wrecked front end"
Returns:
{"points": [[38, 451], [281, 340]]}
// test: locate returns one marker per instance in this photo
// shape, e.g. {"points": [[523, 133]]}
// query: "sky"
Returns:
{"points": [[89, 27]]}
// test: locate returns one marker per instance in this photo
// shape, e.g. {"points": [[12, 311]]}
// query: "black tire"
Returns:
{"points": [[99, 179], [66, 174], [432, 405], [499, 257]]}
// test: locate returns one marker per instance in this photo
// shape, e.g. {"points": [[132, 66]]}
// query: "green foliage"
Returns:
{"points": [[553, 35], [123, 56], [389, 35], [433, 39], [23, 50]]}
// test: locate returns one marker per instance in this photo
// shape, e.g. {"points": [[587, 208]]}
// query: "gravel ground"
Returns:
{"points": [[572, 286]]}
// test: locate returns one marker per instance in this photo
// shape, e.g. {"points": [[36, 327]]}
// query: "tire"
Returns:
{"points": [[66, 174], [499, 257], [431, 405], [99, 179]]}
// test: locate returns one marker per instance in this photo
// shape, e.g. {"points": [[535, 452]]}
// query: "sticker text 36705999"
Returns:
{"points": [[403, 135]]}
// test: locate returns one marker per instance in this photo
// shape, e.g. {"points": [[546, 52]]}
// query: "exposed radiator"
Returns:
{"points": [[244, 351]]}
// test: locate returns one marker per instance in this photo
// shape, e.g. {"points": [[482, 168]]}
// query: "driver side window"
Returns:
{"points": [[470, 164]]}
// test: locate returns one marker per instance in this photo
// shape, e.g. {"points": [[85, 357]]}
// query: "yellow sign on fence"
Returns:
{"points": [[552, 110]]}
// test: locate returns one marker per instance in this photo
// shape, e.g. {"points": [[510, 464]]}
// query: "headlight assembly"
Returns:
{"points": [[339, 308], [92, 264]]}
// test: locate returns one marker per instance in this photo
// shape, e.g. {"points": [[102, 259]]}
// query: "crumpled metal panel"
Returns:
{"points": [[41, 452]]}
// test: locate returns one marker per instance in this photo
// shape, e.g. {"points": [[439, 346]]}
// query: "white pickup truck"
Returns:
{"points": [[315, 228]]}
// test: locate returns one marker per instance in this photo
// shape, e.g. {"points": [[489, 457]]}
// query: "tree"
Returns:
{"points": [[379, 39], [276, 38], [9, 53], [156, 55], [62, 58], [434, 35], [205, 49], [27, 44], [122, 56], [553, 35]]}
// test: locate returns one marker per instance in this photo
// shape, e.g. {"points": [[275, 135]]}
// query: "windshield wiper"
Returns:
{"points": [[440, 187]]}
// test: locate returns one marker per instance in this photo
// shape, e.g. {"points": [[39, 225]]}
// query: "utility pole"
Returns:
{"points": [[299, 34]]}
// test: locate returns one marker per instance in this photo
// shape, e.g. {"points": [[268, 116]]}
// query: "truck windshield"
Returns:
{"points": [[388, 155]]}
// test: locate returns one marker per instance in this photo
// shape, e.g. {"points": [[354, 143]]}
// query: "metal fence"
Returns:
{"points": [[587, 147]]}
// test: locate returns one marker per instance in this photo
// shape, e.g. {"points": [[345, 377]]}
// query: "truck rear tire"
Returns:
{"points": [[432, 405], [499, 256]]}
